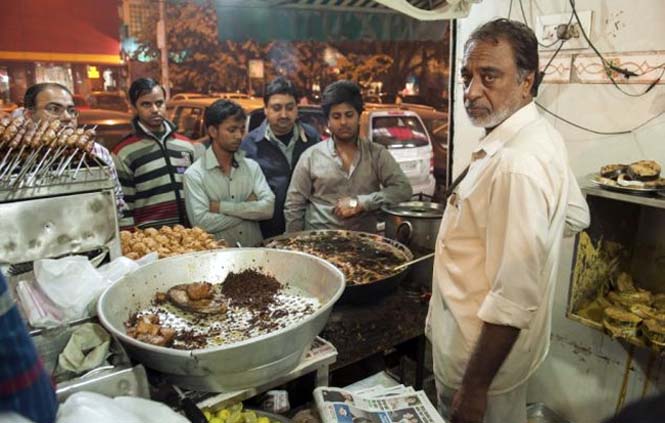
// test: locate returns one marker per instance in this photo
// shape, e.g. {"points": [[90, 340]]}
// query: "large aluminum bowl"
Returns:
{"points": [[237, 365]]}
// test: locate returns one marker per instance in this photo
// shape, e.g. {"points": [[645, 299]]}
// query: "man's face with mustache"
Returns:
{"points": [[493, 87], [281, 113], [343, 122]]}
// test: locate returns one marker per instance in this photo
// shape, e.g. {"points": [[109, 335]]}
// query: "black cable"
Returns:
{"points": [[527, 24], [593, 131], [609, 67], [553, 56]]}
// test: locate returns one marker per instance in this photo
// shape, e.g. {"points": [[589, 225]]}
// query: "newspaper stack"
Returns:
{"points": [[397, 404]]}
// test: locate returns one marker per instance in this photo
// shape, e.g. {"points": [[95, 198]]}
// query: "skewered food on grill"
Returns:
{"points": [[32, 152], [167, 241]]}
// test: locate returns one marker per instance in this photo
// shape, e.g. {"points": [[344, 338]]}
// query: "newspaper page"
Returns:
{"points": [[398, 404]]}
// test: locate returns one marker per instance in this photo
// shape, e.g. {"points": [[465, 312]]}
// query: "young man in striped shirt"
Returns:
{"points": [[152, 160]]}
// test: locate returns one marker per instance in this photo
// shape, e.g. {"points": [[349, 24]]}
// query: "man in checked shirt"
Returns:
{"points": [[25, 388]]}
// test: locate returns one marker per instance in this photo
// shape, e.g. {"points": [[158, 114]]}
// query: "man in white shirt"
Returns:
{"points": [[499, 242], [226, 193]]}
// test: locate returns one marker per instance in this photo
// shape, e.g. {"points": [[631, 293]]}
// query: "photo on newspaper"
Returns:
{"points": [[375, 405]]}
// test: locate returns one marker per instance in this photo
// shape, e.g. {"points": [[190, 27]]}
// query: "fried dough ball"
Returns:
{"points": [[151, 243], [132, 255], [125, 236], [140, 248]]}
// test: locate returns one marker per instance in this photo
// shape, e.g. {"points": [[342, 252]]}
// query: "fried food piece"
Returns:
{"points": [[148, 329], [199, 290], [644, 170], [211, 303], [621, 323], [625, 282], [612, 171]]}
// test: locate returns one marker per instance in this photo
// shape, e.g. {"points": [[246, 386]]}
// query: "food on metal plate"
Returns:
{"points": [[167, 241], [621, 323], [361, 257], [198, 315], [640, 174]]}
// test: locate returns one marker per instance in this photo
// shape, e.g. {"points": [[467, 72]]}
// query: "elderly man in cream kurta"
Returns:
{"points": [[500, 237]]}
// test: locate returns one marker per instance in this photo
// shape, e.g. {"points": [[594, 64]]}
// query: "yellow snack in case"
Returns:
{"points": [[207, 414], [216, 420], [223, 414], [249, 417], [235, 417], [263, 420]]}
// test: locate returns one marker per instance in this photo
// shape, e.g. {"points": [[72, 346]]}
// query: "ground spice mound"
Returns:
{"points": [[251, 289]]}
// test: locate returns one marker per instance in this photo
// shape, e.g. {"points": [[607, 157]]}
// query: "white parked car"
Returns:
{"points": [[403, 133]]}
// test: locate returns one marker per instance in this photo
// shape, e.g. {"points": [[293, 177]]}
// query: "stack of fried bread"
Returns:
{"points": [[633, 313]]}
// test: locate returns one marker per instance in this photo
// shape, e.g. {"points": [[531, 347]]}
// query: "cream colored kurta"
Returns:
{"points": [[498, 248]]}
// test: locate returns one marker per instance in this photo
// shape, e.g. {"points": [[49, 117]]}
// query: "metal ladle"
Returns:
{"points": [[409, 263]]}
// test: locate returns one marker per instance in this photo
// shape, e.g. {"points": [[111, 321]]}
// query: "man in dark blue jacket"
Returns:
{"points": [[277, 145]]}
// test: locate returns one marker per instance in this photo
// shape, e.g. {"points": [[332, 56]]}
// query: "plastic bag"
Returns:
{"points": [[37, 307], [72, 283], [92, 407], [118, 268]]}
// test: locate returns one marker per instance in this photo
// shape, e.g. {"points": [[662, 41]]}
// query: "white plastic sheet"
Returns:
{"points": [[72, 283], [92, 407]]}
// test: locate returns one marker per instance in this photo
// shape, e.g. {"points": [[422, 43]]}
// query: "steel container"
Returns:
{"points": [[236, 365], [416, 225]]}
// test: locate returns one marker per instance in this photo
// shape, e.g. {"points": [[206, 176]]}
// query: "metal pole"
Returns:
{"points": [[161, 43]]}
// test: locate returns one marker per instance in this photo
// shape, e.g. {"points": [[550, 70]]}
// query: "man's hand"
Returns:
{"points": [[252, 197], [468, 405], [214, 207], [345, 207]]}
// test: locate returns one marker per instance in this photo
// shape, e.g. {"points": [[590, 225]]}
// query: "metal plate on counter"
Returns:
{"points": [[87, 180], [56, 226], [613, 185], [539, 413]]}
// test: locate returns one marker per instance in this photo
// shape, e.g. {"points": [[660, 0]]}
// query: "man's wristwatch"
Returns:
{"points": [[353, 203]]}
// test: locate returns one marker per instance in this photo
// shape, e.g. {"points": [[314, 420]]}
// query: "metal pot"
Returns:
{"points": [[416, 225], [236, 365]]}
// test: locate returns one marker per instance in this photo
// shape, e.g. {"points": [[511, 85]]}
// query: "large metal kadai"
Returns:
{"points": [[235, 365]]}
